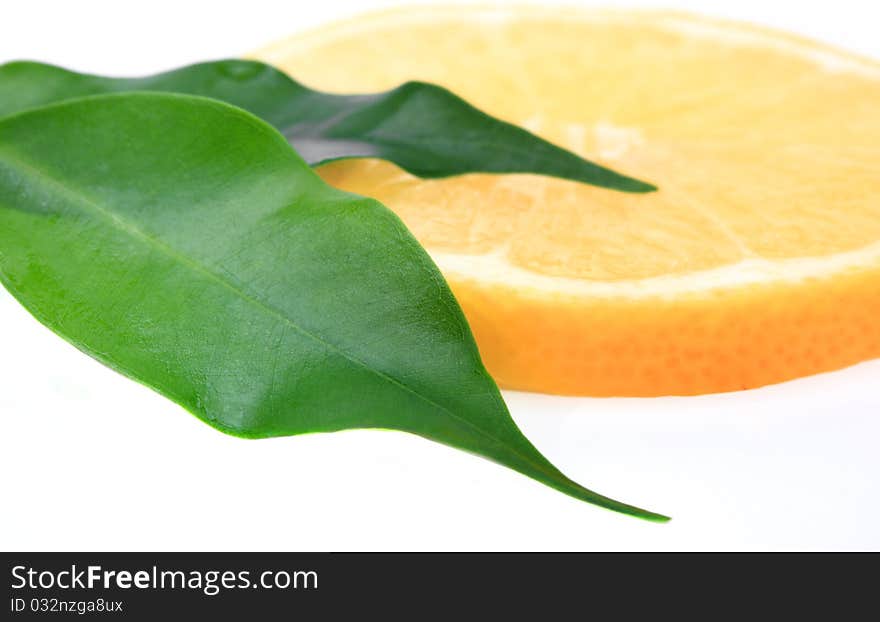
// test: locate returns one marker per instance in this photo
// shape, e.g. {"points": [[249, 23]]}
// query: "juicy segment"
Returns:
{"points": [[756, 262]]}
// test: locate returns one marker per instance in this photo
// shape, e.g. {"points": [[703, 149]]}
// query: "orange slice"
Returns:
{"points": [[757, 261]]}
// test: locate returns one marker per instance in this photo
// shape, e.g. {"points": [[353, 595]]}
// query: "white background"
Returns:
{"points": [[90, 460]]}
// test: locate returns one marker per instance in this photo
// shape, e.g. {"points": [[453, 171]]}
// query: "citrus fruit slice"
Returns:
{"points": [[757, 261]]}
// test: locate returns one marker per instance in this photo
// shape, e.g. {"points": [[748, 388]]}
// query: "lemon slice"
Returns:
{"points": [[757, 261]]}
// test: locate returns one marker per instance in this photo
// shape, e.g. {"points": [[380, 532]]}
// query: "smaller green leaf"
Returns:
{"points": [[423, 128]]}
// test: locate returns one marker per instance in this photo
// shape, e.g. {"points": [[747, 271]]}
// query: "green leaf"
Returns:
{"points": [[424, 129], [182, 242]]}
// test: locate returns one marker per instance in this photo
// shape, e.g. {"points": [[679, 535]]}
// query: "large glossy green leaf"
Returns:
{"points": [[422, 128], [182, 242]]}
